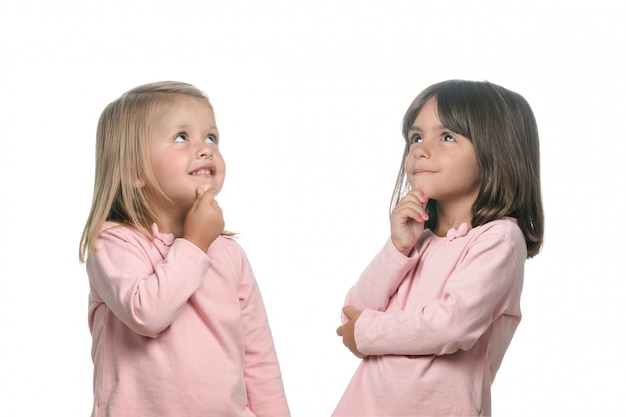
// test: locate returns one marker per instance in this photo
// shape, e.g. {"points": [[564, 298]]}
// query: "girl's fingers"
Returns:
{"points": [[205, 196], [410, 209], [417, 196], [401, 216], [209, 193]]}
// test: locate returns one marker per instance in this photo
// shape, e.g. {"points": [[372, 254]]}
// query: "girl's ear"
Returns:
{"points": [[139, 183]]}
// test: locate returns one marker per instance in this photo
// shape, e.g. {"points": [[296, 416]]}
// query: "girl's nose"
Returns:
{"points": [[206, 151], [420, 150]]}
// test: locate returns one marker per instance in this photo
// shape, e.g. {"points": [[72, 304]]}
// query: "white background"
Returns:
{"points": [[309, 96]]}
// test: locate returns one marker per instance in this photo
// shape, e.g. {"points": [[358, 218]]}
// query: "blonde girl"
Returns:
{"points": [[433, 314], [177, 319]]}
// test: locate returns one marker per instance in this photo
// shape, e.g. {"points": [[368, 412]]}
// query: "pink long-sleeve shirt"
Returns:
{"points": [[436, 324], [178, 332]]}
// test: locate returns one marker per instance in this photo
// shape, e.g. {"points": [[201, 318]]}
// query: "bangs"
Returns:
{"points": [[458, 103], [456, 107]]}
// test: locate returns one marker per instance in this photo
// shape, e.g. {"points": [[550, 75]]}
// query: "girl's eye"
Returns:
{"points": [[448, 138], [415, 139], [181, 137], [211, 139]]}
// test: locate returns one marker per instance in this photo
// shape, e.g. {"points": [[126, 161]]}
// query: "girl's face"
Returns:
{"points": [[184, 152], [441, 164]]}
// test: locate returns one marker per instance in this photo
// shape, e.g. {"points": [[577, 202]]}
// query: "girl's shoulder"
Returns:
{"points": [[115, 237], [129, 233], [504, 225], [110, 230], [227, 244], [505, 228]]}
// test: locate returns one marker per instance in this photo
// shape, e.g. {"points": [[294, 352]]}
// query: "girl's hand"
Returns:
{"points": [[347, 330], [407, 221], [204, 222]]}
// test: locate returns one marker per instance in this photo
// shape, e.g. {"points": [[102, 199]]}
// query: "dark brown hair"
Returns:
{"points": [[503, 130]]}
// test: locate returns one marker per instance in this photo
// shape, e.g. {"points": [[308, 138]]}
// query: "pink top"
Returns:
{"points": [[436, 324], [178, 332]]}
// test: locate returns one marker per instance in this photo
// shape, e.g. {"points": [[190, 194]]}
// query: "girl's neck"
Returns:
{"points": [[169, 223], [452, 217]]}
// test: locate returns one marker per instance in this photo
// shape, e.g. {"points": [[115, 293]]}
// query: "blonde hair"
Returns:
{"points": [[122, 162], [503, 130]]}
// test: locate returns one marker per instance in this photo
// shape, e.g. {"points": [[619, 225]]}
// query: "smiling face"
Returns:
{"points": [[184, 154], [441, 163]]}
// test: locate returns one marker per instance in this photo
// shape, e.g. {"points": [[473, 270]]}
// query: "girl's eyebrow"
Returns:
{"points": [[414, 128], [185, 127]]}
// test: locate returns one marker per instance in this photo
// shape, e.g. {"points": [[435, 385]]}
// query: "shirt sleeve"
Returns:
{"points": [[485, 284], [146, 298], [264, 384], [380, 280]]}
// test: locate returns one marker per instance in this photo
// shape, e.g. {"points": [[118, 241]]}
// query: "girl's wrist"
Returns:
{"points": [[406, 251]]}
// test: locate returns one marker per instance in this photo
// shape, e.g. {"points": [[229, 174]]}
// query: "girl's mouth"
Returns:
{"points": [[204, 171]]}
